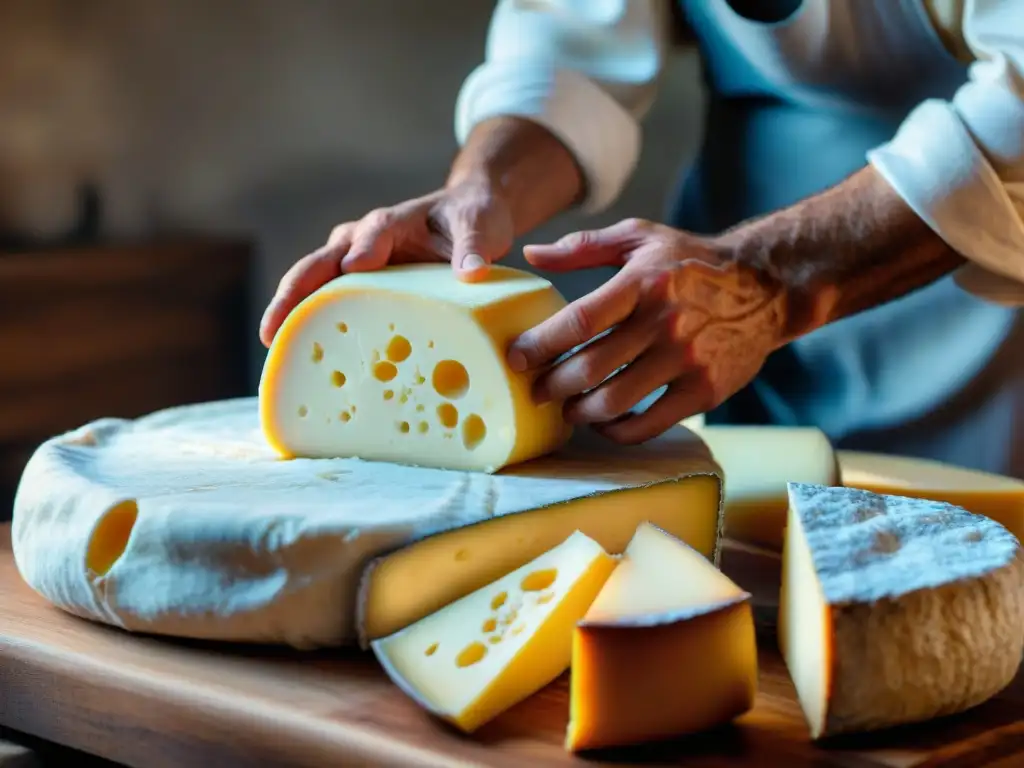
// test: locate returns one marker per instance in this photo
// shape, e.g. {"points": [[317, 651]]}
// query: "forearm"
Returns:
{"points": [[524, 164], [853, 247]]}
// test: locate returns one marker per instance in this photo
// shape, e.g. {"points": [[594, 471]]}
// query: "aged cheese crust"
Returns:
{"points": [[925, 607], [187, 523]]}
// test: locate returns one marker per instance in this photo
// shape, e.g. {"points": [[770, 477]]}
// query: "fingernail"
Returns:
{"points": [[517, 361], [473, 261]]}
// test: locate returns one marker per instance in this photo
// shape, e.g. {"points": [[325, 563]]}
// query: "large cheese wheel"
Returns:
{"points": [[188, 523]]}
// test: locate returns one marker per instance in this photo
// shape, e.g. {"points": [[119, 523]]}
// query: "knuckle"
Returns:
{"points": [[587, 373], [379, 218], [578, 240], [604, 404], [637, 224], [581, 323]]}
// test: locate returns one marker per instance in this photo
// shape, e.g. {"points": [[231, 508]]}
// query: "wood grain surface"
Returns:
{"points": [[149, 702]]}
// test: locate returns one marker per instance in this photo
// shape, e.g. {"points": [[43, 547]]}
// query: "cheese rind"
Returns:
{"points": [[758, 463], [486, 652], [667, 648], [895, 610], [407, 364], [187, 523], [983, 493]]}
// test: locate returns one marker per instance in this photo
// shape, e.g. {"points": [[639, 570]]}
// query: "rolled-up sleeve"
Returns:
{"points": [[960, 164], [586, 70]]}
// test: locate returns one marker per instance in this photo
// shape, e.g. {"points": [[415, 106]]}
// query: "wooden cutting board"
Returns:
{"points": [[153, 703]]}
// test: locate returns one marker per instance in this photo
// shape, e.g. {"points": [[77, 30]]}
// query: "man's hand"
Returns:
{"points": [[466, 224], [681, 312]]}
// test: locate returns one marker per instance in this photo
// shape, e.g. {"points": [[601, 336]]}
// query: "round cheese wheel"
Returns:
{"points": [[187, 523]]}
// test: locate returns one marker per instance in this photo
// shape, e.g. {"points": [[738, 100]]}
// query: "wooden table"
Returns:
{"points": [[153, 703]]}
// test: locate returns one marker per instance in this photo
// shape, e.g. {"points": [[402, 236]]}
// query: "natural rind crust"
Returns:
{"points": [[939, 634]]}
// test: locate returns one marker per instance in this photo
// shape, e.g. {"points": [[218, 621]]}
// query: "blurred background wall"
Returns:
{"points": [[274, 119]]}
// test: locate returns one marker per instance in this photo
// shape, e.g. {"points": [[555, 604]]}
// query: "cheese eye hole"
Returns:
{"points": [[538, 581], [398, 349], [431, 650], [338, 378], [110, 537], [388, 394], [474, 430], [499, 600], [303, 411], [384, 370], [448, 415], [547, 597], [318, 352], [450, 379], [403, 427], [471, 654], [489, 626]]}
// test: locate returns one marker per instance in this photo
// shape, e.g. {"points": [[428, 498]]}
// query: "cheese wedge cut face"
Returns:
{"points": [[895, 610], [758, 463], [983, 493], [407, 365], [479, 656], [667, 648], [395, 593], [186, 523]]}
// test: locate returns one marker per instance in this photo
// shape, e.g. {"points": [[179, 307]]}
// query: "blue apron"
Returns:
{"points": [[865, 378]]}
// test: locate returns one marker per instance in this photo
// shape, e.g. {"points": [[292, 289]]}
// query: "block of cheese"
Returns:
{"points": [[185, 522], [758, 462], [983, 493], [895, 610], [489, 650], [407, 365], [666, 649]]}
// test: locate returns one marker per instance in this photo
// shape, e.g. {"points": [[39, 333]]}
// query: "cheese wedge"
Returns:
{"points": [[895, 610], [758, 463], [186, 523], [484, 653], [983, 493], [407, 365], [666, 649]]}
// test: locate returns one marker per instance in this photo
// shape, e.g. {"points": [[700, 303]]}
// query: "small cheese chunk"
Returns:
{"points": [[758, 463], [895, 610], [983, 493], [394, 592], [666, 649], [407, 365], [479, 656]]}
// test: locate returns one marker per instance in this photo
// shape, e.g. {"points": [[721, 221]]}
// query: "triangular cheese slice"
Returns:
{"points": [[895, 610], [667, 648], [477, 657]]}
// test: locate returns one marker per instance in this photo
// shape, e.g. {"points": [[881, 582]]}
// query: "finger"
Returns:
{"points": [[588, 367], [587, 249], [372, 243], [305, 276], [653, 369], [684, 397], [574, 324]]}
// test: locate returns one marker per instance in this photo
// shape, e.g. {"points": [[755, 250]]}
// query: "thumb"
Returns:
{"points": [[474, 248], [584, 250]]}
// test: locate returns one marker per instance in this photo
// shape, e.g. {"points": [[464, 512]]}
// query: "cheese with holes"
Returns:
{"points": [[407, 365], [666, 649], [758, 463], [983, 493], [895, 610], [185, 522], [486, 652]]}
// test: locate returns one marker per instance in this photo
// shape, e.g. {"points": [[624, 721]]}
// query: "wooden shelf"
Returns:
{"points": [[117, 330]]}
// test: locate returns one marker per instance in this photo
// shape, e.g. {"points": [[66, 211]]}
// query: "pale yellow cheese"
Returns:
{"points": [[411, 583], [477, 657], [758, 463], [667, 648], [983, 493], [408, 365], [895, 610]]}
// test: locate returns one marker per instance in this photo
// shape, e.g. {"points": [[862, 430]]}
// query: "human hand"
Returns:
{"points": [[681, 312], [466, 224]]}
